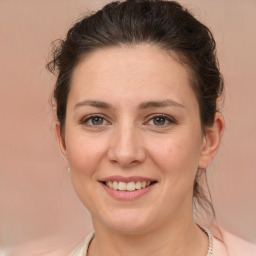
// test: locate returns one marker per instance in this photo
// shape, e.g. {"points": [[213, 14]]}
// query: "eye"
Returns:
{"points": [[161, 120], [94, 120]]}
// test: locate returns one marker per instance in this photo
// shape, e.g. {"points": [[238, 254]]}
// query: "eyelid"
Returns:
{"points": [[170, 119], [85, 119]]}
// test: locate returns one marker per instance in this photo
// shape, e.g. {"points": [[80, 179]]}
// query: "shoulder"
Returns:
{"points": [[219, 247], [81, 249]]}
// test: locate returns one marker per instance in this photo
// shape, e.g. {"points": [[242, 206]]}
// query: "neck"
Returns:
{"points": [[177, 238]]}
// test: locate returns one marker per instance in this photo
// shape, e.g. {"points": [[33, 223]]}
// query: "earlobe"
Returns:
{"points": [[61, 142], [212, 141]]}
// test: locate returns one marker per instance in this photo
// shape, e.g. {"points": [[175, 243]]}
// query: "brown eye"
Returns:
{"points": [[97, 120], [159, 120], [94, 121]]}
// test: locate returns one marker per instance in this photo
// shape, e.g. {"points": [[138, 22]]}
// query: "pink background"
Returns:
{"points": [[39, 211]]}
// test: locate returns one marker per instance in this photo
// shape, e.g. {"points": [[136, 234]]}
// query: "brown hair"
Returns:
{"points": [[165, 24]]}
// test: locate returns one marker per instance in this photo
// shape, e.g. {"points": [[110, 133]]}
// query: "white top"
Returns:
{"points": [[219, 248], [82, 248]]}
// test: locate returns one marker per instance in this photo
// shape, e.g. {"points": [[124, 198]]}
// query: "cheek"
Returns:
{"points": [[84, 153], [177, 158]]}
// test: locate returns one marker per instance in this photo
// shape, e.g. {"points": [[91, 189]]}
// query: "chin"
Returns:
{"points": [[128, 221]]}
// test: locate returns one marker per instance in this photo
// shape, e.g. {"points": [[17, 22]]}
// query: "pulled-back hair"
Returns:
{"points": [[165, 24]]}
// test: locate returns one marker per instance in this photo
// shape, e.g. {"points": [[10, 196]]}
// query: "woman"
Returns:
{"points": [[136, 103]]}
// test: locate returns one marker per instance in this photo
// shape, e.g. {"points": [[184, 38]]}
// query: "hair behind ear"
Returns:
{"points": [[202, 195]]}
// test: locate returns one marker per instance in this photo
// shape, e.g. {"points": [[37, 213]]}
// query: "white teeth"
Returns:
{"points": [[122, 186], [130, 186], [110, 184], [115, 185], [138, 185]]}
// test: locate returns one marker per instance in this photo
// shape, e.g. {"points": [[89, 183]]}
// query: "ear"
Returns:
{"points": [[61, 143], [212, 141]]}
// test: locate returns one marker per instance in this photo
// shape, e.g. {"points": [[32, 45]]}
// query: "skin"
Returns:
{"points": [[130, 141]]}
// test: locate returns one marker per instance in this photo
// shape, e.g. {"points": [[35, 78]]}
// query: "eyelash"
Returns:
{"points": [[90, 117], [167, 118]]}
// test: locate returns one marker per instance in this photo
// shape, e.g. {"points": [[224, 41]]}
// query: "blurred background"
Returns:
{"points": [[39, 211]]}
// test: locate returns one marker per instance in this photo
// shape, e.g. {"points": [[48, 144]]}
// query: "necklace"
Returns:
{"points": [[83, 248], [207, 231]]}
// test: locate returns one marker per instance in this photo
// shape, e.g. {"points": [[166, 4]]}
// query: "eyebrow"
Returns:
{"points": [[143, 105], [157, 104], [93, 103]]}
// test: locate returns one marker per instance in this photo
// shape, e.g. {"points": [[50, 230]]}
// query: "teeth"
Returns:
{"points": [[138, 185], [115, 185], [122, 186], [110, 184], [130, 186], [143, 184]]}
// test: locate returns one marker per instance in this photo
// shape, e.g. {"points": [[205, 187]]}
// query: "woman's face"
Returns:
{"points": [[132, 121]]}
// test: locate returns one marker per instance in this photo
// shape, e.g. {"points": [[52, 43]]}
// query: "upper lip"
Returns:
{"points": [[126, 179]]}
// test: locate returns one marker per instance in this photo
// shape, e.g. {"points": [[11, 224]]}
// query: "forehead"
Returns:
{"points": [[131, 72]]}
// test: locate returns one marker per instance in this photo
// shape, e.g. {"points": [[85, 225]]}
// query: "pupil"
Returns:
{"points": [[159, 121], [97, 120]]}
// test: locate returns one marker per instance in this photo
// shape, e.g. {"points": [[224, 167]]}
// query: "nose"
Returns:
{"points": [[126, 147]]}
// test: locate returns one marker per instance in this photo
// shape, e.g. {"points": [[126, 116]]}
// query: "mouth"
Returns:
{"points": [[128, 186]]}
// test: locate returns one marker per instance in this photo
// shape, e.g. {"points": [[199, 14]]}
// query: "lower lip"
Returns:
{"points": [[127, 195]]}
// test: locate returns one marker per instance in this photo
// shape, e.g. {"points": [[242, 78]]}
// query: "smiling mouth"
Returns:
{"points": [[128, 186]]}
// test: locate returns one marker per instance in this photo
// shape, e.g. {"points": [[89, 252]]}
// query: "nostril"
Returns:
{"points": [[125, 149]]}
